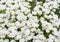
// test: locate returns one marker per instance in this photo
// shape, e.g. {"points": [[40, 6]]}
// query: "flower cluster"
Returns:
{"points": [[29, 20]]}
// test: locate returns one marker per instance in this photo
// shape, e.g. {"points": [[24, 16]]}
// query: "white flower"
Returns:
{"points": [[2, 1], [34, 12], [23, 28], [58, 1], [26, 4], [21, 17], [29, 37], [18, 12], [17, 23], [56, 40], [28, 21], [6, 21], [10, 24], [22, 23], [50, 40], [6, 40], [2, 7], [12, 35], [55, 5], [29, 15], [48, 17], [12, 17], [34, 24], [36, 8], [37, 3], [16, 6], [25, 9], [12, 28], [45, 10], [2, 35], [27, 32], [33, 29], [12, 41], [1, 16], [1, 40], [47, 30], [55, 17], [37, 41], [42, 37], [18, 37], [42, 19], [6, 31], [39, 12], [22, 40], [51, 7], [30, 0], [52, 37], [1, 20], [46, 5], [56, 33]]}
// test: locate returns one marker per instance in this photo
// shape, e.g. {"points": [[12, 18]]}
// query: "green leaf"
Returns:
{"points": [[9, 38], [18, 29], [47, 34], [6, 26], [40, 25], [17, 40], [32, 4], [30, 40], [42, 1], [48, 20], [12, 3], [57, 12], [35, 33], [4, 3], [2, 11]]}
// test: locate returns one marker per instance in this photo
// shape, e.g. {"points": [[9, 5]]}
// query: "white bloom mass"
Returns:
{"points": [[29, 20]]}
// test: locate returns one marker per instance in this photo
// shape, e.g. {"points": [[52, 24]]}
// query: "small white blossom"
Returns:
{"points": [[13, 41], [27, 32], [6, 40], [21, 40]]}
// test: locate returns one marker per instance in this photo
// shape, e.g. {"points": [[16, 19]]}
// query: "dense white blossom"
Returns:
{"points": [[29, 20]]}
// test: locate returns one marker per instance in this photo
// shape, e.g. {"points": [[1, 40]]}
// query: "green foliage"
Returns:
{"points": [[12, 3], [58, 28], [57, 12], [9, 38], [48, 20], [40, 25], [47, 34], [17, 40], [32, 4], [4, 3], [13, 21], [18, 29], [6, 26], [30, 40], [2, 11], [35, 33], [42, 1]]}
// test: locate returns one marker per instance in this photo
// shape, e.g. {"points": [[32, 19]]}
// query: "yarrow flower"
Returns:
{"points": [[29, 20]]}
